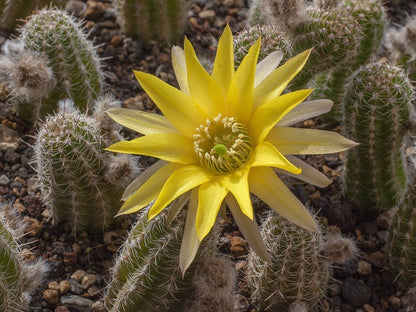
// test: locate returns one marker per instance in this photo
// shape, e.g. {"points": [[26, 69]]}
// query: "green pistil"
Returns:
{"points": [[221, 149]]}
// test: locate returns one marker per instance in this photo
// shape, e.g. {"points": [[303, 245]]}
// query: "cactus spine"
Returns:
{"points": [[377, 104], [78, 179], [54, 36], [297, 271], [17, 278], [146, 275], [161, 20], [11, 11]]}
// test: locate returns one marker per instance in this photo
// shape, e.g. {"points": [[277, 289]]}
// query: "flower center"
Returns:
{"points": [[222, 144]]}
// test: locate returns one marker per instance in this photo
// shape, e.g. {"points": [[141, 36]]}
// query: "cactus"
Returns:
{"points": [[13, 11], [297, 272], [377, 103], [161, 20], [68, 62], [78, 179], [18, 279], [271, 40], [146, 276]]}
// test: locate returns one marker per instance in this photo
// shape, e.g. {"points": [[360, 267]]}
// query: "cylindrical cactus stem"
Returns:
{"points": [[335, 39], [146, 276], [297, 270], [271, 40], [401, 246], [14, 11], [72, 166], [18, 279], [377, 105], [56, 37], [161, 20]]}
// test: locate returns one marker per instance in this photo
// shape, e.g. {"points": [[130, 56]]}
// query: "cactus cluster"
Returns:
{"points": [[18, 279], [297, 271], [51, 60], [378, 104], [163, 21], [146, 275], [81, 182]]}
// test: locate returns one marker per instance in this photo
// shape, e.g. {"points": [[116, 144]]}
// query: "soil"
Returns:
{"points": [[79, 265]]}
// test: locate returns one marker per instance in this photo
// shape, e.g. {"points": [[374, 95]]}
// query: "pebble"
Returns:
{"points": [[88, 280], [4, 180], [395, 302], [9, 139], [11, 156], [70, 258], [98, 307], [76, 287], [64, 287], [32, 226], [53, 285], [94, 11], [383, 236], [364, 267], [61, 309], [76, 302], [377, 259], [355, 292], [51, 296], [384, 220], [368, 308], [238, 246], [207, 15], [76, 7]]}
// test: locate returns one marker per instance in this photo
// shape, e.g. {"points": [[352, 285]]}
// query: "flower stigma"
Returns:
{"points": [[222, 144]]}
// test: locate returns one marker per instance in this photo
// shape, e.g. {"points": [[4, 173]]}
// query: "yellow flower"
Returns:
{"points": [[219, 138]]}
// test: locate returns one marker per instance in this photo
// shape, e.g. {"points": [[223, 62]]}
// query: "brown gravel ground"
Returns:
{"points": [[80, 265]]}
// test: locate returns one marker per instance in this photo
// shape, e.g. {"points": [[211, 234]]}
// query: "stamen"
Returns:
{"points": [[222, 144]]}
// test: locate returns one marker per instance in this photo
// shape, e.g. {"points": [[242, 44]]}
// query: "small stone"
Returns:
{"points": [[9, 139], [76, 7], [76, 287], [18, 206], [76, 302], [364, 267], [207, 15], [53, 285], [11, 157], [238, 246], [4, 180], [93, 291], [51, 296], [94, 11], [383, 236], [78, 275], [32, 226], [61, 309], [64, 287], [377, 259], [76, 248], [368, 308], [395, 302], [384, 220], [98, 307], [70, 258], [88, 280], [116, 40]]}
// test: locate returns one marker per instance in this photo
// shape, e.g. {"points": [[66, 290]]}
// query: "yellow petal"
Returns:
{"points": [[309, 174], [266, 155], [176, 207], [241, 90], [267, 66], [149, 190], [265, 184], [181, 181], [298, 141], [142, 178], [304, 111], [176, 105], [167, 146], [179, 67], [248, 228], [272, 86], [237, 184], [223, 69], [210, 197], [190, 241], [205, 91], [142, 122], [266, 116]]}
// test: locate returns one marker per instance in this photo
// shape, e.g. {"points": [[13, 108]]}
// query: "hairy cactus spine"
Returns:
{"points": [[377, 103], [297, 271], [160, 20], [17, 278], [12, 11], [72, 169], [55, 36], [146, 276]]}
